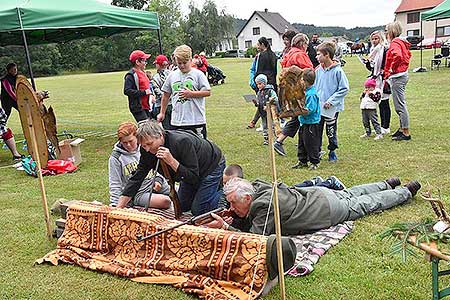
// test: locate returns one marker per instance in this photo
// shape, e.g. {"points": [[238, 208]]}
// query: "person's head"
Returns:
{"points": [[377, 37], [261, 81], [309, 76], [150, 135], [232, 171], [300, 40], [315, 38], [263, 44], [393, 30], [126, 134], [139, 59], [370, 84], [11, 68], [183, 58], [287, 37], [161, 62], [325, 52], [239, 194]]}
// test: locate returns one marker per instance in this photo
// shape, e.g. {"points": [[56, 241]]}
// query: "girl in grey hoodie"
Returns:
{"points": [[123, 162]]}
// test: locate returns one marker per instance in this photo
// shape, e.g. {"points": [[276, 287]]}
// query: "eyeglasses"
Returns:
{"points": [[142, 60]]}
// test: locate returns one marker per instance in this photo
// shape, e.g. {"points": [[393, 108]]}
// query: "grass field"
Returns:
{"points": [[358, 268]]}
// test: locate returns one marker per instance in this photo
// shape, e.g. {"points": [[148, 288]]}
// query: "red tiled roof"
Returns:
{"points": [[409, 5]]}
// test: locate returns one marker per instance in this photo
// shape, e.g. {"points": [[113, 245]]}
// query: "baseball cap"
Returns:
{"points": [[138, 54], [160, 59]]}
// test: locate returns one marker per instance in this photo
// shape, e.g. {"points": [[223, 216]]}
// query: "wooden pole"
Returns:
{"points": [[38, 165], [276, 207]]}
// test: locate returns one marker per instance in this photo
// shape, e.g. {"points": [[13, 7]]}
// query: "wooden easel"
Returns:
{"points": [[33, 129]]}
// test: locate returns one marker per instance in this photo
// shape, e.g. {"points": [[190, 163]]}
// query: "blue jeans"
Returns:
{"points": [[205, 196]]}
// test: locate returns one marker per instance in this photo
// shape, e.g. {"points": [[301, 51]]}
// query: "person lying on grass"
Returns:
{"points": [[308, 209], [123, 163]]}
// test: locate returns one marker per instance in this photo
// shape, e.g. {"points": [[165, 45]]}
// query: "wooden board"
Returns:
{"points": [[29, 112]]}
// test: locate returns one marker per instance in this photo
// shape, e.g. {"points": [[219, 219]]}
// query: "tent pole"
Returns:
{"points": [[160, 42], [27, 52], [421, 45], [435, 37]]}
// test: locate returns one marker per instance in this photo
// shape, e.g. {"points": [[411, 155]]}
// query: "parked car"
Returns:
{"points": [[234, 53], [430, 43]]}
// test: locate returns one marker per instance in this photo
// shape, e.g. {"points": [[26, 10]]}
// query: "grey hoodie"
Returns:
{"points": [[122, 165]]}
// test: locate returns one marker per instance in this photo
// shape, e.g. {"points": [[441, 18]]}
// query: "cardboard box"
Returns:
{"points": [[70, 150]]}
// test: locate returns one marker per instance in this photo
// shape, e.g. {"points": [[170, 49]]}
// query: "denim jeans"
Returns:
{"points": [[205, 196]]}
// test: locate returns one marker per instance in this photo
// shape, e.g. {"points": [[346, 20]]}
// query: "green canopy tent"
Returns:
{"points": [[442, 11], [25, 22]]}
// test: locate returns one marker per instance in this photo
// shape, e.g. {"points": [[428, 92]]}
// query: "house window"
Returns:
{"points": [[270, 41], [256, 31], [248, 44], [413, 17], [443, 31], [414, 32]]}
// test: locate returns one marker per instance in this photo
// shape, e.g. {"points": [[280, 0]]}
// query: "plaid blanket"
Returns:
{"points": [[214, 264]]}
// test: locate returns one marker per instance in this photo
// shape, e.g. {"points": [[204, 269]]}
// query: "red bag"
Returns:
{"points": [[56, 167]]}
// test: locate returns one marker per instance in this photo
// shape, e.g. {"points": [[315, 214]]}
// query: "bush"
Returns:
{"points": [[220, 54], [251, 52]]}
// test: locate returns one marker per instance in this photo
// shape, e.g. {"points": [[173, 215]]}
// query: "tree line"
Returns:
{"points": [[202, 28]]}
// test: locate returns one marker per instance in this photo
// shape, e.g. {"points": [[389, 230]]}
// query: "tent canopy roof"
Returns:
{"points": [[49, 21], [442, 11]]}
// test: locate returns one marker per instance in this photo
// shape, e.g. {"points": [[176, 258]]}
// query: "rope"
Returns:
{"points": [[260, 246]]}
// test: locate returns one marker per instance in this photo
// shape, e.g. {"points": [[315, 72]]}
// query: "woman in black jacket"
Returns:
{"points": [[267, 62]]}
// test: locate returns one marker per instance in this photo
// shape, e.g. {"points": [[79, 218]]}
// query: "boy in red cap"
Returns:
{"points": [[137, 86], [161, 63], [369, 102]]}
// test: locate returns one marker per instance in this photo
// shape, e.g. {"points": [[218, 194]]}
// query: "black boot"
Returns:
{"points": [[393, 182], [413, 186]]}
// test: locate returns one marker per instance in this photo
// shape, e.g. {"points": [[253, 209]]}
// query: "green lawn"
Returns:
{"points": [[358, 268]]}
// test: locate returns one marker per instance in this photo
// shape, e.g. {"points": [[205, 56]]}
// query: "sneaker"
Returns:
{"points": [[316, 180], [365, 135], [321, 154], [300, 165], [332, 156], [313, 167], [393, 182], [397, 133], [251, 125], [335, 183], [378, 137], [413, 186], [260, 128], [278, 147], [385, 130], [401, 137]]}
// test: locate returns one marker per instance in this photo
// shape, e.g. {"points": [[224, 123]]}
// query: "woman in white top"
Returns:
{"points": [[377, 58]]}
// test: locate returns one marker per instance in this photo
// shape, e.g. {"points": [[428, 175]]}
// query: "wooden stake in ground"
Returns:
{"points": [[276, 207], [34, 132]]}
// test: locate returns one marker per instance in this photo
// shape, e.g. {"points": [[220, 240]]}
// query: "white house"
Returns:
{"points": [[263, 23], [408, 14]]}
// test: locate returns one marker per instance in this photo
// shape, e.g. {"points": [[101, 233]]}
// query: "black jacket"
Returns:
{"points": [[131, 89], [267, 65], [198, 157]]}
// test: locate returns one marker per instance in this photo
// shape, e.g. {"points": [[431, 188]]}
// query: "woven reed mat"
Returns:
{"points": [[212, 263]]}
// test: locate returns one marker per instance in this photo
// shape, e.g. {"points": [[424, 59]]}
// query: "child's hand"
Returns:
{"points": [[186, 93]]}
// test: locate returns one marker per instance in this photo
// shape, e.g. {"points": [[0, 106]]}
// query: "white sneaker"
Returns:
{"points": [[259, 129], [365, 135], [385, 130], [378, 137]]}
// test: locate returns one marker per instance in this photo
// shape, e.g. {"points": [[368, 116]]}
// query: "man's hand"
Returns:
{"points": [[123, 201], [327, 105], [164, 154], [160, 117], [219, 222], [157, 186]]}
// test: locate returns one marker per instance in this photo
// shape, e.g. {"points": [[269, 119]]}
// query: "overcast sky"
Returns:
{"points": [[347, 13]]}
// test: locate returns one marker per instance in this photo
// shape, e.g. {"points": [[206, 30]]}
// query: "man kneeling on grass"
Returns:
{"points": [[308, 209]]}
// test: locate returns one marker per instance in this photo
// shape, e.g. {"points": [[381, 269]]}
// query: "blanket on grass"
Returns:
{"points": [[214, 264]]}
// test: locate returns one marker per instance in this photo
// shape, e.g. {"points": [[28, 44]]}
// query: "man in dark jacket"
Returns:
{"points": [[308, 209], [137, 86], [195, 162]]}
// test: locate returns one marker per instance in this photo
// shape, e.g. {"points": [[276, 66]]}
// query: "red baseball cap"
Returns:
{"points": [[138, 54], [160, 59]]}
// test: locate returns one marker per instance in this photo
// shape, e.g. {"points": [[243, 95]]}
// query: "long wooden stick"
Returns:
{"points": [[276, 208], [38, 165]]}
